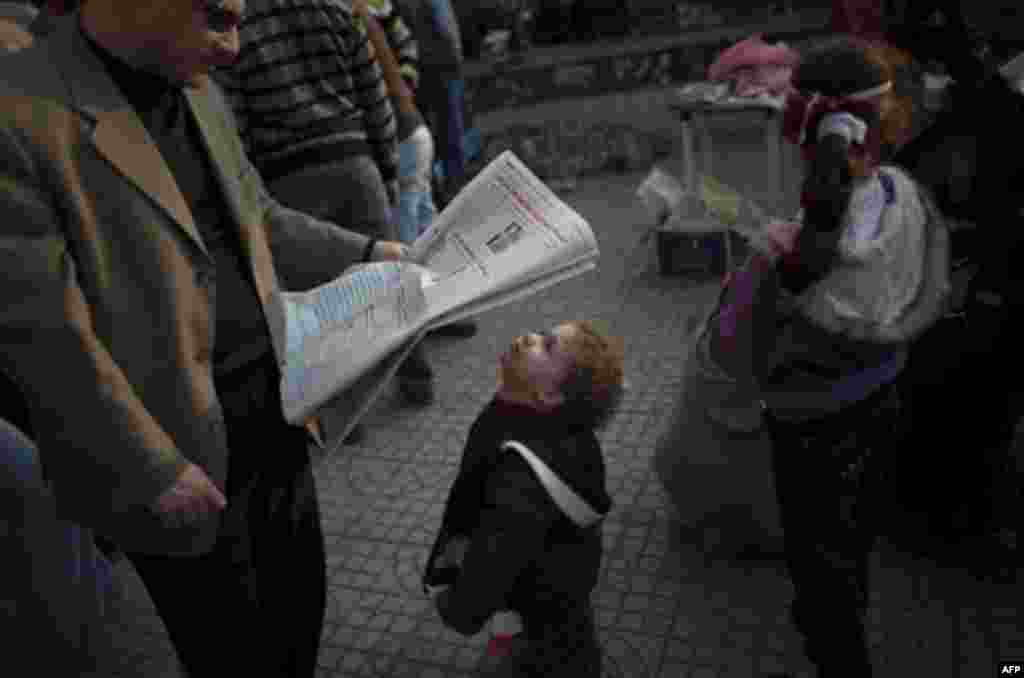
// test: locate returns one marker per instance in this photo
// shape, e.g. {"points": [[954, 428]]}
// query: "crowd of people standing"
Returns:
{"points": [[168, 165]]}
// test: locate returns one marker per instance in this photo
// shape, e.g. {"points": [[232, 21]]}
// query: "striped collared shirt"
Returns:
{"points": [[307, 89]]}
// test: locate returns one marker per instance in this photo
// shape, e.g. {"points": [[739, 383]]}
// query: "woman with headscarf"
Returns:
{"points": [[832, 303]]}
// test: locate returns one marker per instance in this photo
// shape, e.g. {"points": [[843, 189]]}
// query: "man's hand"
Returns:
{"points": [[192, 496], [13, 37], [389, 250]]}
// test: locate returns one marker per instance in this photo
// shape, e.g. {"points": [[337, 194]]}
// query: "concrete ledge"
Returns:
{"points": [[574, 71], [621, 132], [583, 109]]}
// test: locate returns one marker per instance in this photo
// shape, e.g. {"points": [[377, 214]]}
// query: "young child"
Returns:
{"points": [[521, 528]]}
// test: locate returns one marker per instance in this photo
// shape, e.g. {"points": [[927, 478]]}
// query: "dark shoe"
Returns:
{"points": [[416, 378], [416, 365], [416, 391], [355, 436], [462, 329], [108, 548]]}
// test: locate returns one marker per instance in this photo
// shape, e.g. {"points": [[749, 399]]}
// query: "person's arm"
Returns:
{"points": [[398, 87], [370, 94], [399, 37], [510, 534], [748, 312], [306, 251]]}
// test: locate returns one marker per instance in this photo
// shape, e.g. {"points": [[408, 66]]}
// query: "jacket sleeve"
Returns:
{"points": [[510, 535], [83, 402], [307, 251]]}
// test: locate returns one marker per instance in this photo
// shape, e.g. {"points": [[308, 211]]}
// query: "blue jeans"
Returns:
{"points": [[55, 580], [416, 209]]}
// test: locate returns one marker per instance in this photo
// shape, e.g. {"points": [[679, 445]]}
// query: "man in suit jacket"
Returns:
{"points": [[138, 252]]}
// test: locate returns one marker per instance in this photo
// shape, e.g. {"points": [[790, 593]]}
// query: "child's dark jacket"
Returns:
{"points": [[524, 553]]}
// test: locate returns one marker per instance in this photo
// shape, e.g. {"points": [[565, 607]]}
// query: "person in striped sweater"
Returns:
{"points": [[416, 207], [314, 112], [313, 109]]}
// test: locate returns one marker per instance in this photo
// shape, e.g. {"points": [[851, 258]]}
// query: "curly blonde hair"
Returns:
{"points": [[594, 387]]}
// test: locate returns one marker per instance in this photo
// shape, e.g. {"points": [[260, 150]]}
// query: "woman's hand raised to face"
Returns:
{"points": [[782, 236]]}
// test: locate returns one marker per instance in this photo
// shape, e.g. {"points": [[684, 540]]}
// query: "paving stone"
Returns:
{"points": [[353, 661], [465, 658], [663, 607], [346, 636], [678, 649], [443, 654], [331, 656], [675, 670]]}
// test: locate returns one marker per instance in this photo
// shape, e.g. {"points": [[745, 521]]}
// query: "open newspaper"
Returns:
{"points": [[505, 236]]}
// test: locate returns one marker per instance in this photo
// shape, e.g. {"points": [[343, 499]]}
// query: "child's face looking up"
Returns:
{"points": [[534, 367]]}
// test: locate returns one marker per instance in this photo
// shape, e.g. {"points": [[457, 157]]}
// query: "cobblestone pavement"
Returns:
{"points": [[666, 606]]}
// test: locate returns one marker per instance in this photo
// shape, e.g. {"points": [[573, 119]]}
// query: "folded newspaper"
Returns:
{"points": [[505, 236]]}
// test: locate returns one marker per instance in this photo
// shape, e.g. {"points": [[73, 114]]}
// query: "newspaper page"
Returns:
{"points": [[345, 412], [505, 228], [334, 333], [504, 237]]}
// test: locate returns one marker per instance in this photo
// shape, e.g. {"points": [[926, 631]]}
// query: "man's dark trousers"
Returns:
{"points": [[255, 604]]}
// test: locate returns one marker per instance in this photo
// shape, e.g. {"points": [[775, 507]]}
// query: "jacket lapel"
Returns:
{"points": [[225, 159], [229, 164], [118, 134]]}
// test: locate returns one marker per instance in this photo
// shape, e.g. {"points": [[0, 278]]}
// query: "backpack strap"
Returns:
{"points": [[570, 503]]}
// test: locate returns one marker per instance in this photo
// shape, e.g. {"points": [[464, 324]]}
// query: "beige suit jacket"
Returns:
{"points": [[108, 294]]}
